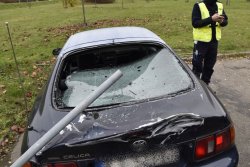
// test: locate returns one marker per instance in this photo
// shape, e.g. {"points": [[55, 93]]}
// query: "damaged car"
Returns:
{"points": [[157, 114]]}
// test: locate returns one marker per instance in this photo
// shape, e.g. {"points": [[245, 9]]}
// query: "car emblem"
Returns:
{"points": [[139, 145]]}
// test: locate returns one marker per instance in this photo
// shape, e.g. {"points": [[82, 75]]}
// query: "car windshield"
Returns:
{"points": [[148, 72]]}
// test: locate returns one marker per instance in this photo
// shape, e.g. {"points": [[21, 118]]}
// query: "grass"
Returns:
{"points": [[35, 32]]}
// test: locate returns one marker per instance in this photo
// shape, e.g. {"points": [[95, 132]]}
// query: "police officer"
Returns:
{"points": [[208, 17]]}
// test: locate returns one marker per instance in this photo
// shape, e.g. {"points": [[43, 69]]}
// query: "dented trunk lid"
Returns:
{"points": [[175, 120]]}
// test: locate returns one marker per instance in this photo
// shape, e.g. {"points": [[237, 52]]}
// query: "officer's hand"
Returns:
{"points": [[217, 18]]}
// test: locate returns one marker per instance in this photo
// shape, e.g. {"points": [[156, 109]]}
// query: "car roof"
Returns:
{"points": [[110, 35]]}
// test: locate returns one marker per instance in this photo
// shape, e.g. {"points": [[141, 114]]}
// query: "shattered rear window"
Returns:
{"points": [[148, 72]]}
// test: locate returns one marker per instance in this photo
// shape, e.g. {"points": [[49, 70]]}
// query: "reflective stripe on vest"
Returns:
{"points": [[204, 34]]}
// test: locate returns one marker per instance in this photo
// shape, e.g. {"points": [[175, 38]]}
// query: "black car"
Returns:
{"points": [[157, 114]]}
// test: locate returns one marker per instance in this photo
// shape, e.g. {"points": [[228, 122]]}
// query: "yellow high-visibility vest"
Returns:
{"points": [[204, 34]]}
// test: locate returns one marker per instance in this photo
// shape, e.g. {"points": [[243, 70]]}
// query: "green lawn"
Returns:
{"points": [[37, 29]]}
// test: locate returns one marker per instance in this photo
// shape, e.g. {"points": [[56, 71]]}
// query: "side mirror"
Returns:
{"points": [[56, 51]]}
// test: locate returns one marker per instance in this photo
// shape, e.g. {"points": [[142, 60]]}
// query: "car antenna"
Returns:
{"points": [[17, 68]]}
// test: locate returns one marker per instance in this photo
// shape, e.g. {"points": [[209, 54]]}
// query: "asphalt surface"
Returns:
{"points": [[231, 81]]}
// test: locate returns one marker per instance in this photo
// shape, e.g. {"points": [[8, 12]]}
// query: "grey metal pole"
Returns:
{"points": [[17, 68], [36, 147], [83, 11]]}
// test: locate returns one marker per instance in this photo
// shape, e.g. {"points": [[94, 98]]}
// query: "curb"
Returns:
{"points": [[221, 56], [16, 152]]}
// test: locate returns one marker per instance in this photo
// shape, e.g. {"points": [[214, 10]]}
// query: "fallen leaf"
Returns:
{"points": [[29, 94], [17, 129], [3, 143], [21, 130], [2, 86], [25, 72], [14, 128], [34, 74], [39, 70]]}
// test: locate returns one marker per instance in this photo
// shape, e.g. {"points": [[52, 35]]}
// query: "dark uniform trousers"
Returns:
{"points": [[204, 58]]}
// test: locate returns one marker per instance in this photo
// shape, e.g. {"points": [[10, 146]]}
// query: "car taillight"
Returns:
{"points": [[213, 144], [232, 134], [70, 164], [27, 164]]}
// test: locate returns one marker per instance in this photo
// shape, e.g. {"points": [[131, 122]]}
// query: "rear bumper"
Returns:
{"points": [[227, 159]]}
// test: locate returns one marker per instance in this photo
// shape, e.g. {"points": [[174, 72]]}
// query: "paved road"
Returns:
{"points": [[231, 81]]}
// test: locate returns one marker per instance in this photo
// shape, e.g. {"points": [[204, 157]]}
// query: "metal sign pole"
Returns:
{"points": [[36, 147], [83, 11], [17, 68]]}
